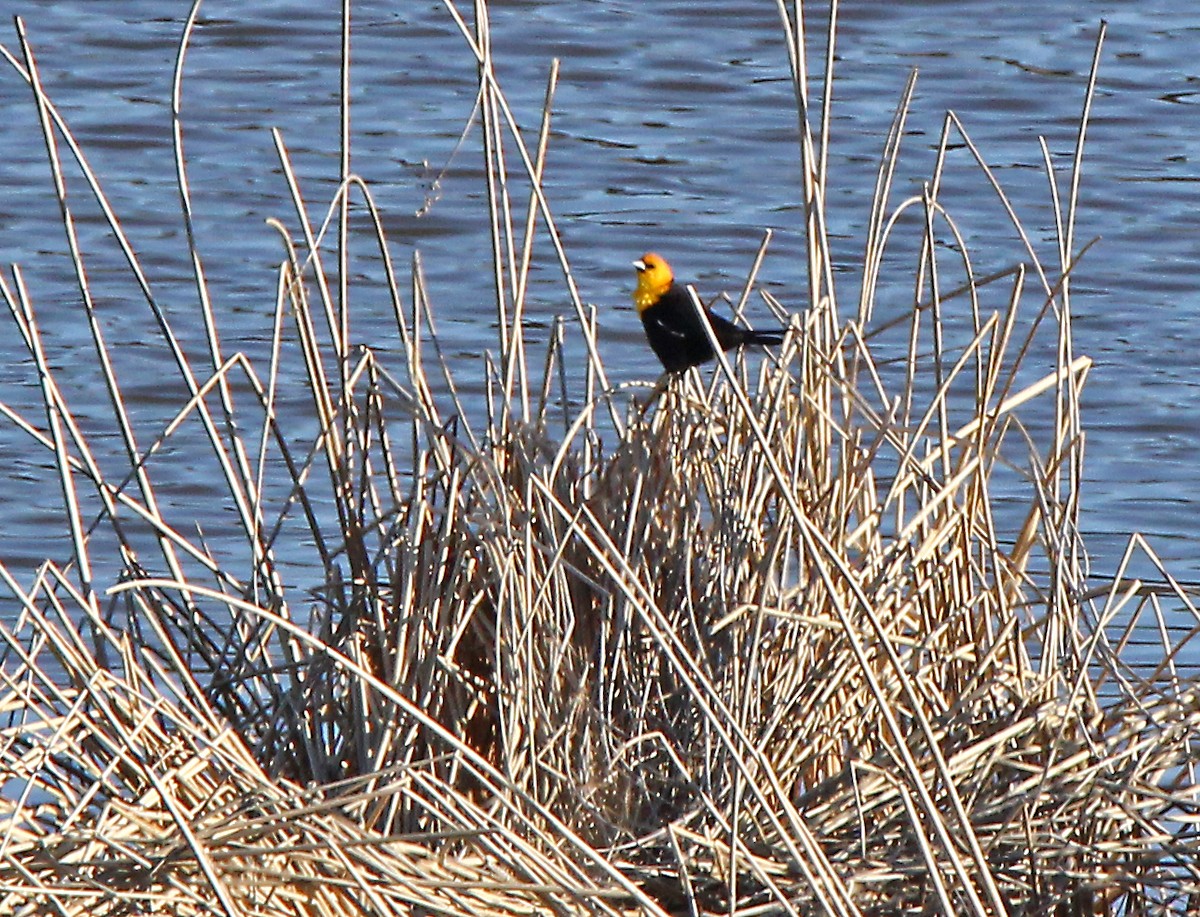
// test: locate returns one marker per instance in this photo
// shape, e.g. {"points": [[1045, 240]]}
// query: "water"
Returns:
{"points": [[674, 130]]}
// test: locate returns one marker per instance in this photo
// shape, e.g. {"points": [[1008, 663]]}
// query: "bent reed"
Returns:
{"points": [[761, 641]]}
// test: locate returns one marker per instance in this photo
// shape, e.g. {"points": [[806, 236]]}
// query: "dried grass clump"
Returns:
{"points": [[812, 637]]}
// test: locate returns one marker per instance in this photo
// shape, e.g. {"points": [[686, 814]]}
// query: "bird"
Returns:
{"points": [[672, 326]]}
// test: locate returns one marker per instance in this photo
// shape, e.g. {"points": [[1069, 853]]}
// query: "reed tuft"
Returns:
{"points": [[810, 634]]}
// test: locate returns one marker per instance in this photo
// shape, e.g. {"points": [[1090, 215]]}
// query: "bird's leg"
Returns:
{"points": [[660, 386]]}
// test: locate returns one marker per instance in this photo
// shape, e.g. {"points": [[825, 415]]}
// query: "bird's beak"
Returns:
{"points": [[640, 265]]}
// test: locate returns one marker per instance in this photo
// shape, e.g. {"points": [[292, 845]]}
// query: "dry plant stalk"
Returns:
{"points": [[758, 644]]}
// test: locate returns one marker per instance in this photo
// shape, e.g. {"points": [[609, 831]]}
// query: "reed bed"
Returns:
{"points": [[757, 641]]}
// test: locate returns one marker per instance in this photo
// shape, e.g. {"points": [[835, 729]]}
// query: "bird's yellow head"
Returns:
{"points": [[654, 278]]}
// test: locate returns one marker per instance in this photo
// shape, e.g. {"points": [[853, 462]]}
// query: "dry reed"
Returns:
{"points": [[755, 645]]}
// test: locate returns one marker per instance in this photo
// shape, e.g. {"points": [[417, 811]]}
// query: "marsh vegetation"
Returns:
{"points": [[758, 640]]}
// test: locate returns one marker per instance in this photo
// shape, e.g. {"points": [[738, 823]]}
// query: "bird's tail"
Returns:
{"points": [[764, 337]]}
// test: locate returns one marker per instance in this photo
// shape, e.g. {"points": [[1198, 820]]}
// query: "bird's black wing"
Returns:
{"points": [[668, 329]]}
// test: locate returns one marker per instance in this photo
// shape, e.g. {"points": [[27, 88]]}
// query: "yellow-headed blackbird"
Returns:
{"points": [[672, 325]]}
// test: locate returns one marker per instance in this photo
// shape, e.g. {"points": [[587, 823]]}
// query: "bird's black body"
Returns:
{"points": [[677, 338], [672, 324]]}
